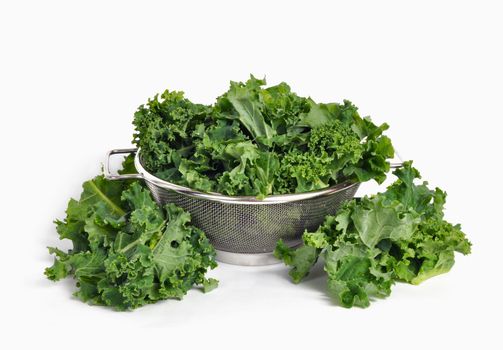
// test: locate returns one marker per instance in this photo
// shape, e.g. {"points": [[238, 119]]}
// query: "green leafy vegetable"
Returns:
{"points": [[259, 141], [127, 251], [397, 235]]}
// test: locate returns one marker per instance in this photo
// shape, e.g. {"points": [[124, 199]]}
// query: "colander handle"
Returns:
{"points": [[106, 170], [396, 165]]}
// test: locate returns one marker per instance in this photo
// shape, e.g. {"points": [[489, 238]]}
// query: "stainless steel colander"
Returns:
{"points": [[243, 229]]}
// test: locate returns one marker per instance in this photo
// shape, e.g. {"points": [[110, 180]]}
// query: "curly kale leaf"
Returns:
{"points": [[301, 259], [128, 251], [244, 99], [372, 242], [164, 129]]}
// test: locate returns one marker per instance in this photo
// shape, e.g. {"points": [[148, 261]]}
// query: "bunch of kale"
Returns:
{"points": [[259, 141], [127, 251], [397, 235]]}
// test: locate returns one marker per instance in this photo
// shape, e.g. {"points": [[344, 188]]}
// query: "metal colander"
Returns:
{"points": [[243, 229]]}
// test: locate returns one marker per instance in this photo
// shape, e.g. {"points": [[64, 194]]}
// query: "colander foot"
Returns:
{"points": [[258, 259]]}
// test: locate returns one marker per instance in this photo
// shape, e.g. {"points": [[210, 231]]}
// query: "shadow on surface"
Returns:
{"points": [[316, 280]]}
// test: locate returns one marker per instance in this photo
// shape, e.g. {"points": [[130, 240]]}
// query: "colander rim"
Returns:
{"points": [[217, 197]]}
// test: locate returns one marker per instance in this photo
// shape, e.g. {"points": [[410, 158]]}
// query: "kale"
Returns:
{"points": [[127, 251], [259, 141], [397, 235]]}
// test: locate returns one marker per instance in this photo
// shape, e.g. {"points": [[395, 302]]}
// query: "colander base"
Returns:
{"points": [[243, 259]]}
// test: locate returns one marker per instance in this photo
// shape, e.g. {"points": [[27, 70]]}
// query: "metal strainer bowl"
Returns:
{"points": [[243, 229]]}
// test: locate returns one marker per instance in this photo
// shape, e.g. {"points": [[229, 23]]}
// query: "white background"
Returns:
{"points": [[73, 73]]}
